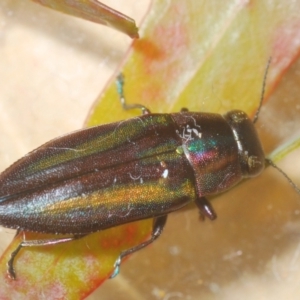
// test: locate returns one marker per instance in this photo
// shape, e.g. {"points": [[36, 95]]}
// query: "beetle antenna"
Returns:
{"points": [[262, 91], [120, 90], [267, 160], [290, 181]]}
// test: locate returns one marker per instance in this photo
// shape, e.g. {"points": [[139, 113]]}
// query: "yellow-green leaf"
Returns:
{"points": [[66, 271], [207, 56]]}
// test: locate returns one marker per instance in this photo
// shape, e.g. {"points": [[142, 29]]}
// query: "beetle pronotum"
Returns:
{"points": [[86, 181]]}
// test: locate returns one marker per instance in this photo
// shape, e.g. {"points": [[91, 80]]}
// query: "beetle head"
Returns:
{"points": [[250, 151]]}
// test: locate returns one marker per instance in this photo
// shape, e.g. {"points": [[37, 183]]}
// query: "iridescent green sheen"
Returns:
{"points": [[98, 178], [117, 173]]}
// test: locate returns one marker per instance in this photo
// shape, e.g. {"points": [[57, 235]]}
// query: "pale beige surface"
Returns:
{"points": [[53, 67], [252, 251]]}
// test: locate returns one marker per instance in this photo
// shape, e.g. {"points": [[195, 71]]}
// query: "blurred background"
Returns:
{"points": [[52, 68]]}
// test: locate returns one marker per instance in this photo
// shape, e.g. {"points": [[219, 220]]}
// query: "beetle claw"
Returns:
{"points": [[116, 270]]}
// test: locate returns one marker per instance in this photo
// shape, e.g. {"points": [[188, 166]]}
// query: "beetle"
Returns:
{"points": [[144, 167]]}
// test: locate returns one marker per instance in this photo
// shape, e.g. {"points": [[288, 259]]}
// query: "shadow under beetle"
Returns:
{"points": [[144, 167]]}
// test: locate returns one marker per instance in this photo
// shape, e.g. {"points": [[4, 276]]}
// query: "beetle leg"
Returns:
{"points": [[35, 243], [158, 226], [205, 208], [120, 89]]}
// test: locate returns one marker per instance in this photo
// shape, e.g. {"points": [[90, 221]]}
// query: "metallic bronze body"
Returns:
{"points": [[145, 167]]}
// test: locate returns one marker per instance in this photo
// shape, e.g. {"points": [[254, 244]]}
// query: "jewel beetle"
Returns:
{"points": [[144, 167]]}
